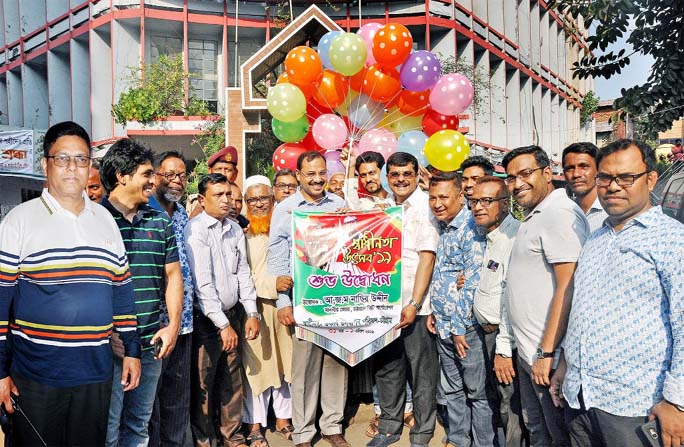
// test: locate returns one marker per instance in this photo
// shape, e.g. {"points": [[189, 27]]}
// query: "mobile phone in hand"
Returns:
{"points": [[158, 343], [651, 431]]}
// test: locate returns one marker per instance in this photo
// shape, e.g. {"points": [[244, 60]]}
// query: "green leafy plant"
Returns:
{"points": [[156, 92], [590, 104], [212, 139]]}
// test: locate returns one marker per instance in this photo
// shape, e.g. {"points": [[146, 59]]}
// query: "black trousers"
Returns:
{"points": [[171, 412], [73, 416]]}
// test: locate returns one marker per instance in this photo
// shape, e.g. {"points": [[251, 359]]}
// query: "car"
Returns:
{"points": [[673, 197]]}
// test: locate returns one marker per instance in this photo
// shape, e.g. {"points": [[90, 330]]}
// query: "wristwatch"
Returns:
{"points": [[543, 355], [256, 315], [414, 304]]}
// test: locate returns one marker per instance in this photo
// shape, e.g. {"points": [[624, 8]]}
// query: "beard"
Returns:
{"points": [[259, 224]]}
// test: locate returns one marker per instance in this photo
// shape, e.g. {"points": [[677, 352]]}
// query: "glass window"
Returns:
{"points": [[163, 45], [202, 64]]}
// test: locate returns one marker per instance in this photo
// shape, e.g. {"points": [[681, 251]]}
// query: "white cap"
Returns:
{"points": [[256, 180]]}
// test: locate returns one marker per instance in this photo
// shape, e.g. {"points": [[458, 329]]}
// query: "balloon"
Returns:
{"points": [[329, 131], [378, 140], [446, 150], [303, 65], [314, 110], [286, 155], [333, 163], [452, 94], [310, 144], [413, 103], [324, 47], [404, 123], [391, 115], [420, 71], [343, 109], [367, 32], [413, 142], [286, 102], [332, 89], [434, 121], [348, 53], [392, 44], [381, 84], [307, 89], [364, 113], [291, 132]]}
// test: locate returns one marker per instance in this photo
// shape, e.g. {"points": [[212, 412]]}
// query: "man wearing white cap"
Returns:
{"points": [[267, 360]]}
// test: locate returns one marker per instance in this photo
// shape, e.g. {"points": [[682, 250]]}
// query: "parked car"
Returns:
{"points": [[673, 197]]}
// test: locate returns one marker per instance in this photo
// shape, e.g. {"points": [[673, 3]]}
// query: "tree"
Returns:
{"points": [[651, 27]]}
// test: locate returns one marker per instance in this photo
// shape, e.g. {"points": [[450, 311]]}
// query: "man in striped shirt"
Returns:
{"points": [[63, 272], [150, 242]]}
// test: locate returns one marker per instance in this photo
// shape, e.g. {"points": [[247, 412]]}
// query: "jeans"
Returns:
{"points": [[544, 421], [129, 413], [409, 398], [471, 420]]}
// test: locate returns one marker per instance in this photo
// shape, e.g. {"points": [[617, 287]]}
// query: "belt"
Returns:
{"points": [[489, 328]]}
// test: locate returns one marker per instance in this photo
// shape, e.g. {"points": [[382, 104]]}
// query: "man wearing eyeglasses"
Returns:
{"points": [[539, 283], [489, 205], [623, 348], [284, 184], [171, 414], [579, 168]]}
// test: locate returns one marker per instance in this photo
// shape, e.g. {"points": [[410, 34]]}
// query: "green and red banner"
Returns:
{"points": [[347, 280]]}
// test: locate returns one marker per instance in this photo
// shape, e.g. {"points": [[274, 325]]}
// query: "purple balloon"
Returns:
{"points": [[420, 71]]}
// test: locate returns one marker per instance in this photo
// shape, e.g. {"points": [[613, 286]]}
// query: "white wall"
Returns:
{"points": [[59, 84]]}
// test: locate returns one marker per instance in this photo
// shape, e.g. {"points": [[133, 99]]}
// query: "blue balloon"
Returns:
{"points": [[413, 143], [324, 48]]}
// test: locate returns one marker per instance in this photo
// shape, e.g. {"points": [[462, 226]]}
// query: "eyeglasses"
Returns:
{"points": [[486, 202], [509, 180], [285, 186], [254, 200], [396, 174], [605, 180], [170, 176], [65, 160]]}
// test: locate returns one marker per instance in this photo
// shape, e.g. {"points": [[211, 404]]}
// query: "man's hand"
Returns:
{"points": [[460, 282], [408, 316], [541, 370], [430, 323], [130, 373], [251, 328], [229, 338], [117, 345], [556, 388], [6, 387], [286, 316], [284, 283], [503, 367], [461, 344], [168, 335], [671, 423], [424, 178]]}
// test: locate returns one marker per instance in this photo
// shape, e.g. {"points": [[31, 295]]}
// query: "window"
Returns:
{"points": [[202, 65], [163, 45]]}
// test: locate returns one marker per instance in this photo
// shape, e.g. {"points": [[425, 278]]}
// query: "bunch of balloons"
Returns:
{"points": [[370, 91]]}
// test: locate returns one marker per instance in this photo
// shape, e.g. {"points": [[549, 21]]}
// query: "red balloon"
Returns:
{"points": [[286, 155], [413, 103], [356, 81], [314, 110], [310, 143], [381, 84], [434, 121]]}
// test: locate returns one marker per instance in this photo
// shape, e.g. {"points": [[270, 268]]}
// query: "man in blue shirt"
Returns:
{"points": [[623, 346]]}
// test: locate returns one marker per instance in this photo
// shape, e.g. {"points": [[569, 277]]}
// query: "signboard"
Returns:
{"points": [[16, 152], [347, 280]]}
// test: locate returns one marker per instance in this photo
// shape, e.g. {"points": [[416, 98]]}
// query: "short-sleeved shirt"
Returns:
{"points": [[150, 243], [551, 233], [596, 215], [421, 233]]}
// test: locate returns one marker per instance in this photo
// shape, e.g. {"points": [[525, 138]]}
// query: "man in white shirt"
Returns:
{"points": [[217, 254], [579, 167], [539, 284]]}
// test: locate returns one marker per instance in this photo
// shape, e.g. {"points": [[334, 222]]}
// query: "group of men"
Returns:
{"points": [[124, 320]]}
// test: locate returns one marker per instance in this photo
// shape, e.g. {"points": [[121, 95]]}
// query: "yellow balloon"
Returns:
{"points": [[446, 150], [404, 123], [286, 102], [343, 109]]}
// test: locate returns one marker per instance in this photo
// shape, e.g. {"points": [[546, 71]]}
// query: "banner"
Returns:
{"points": [[347, 280], [16, 151]]}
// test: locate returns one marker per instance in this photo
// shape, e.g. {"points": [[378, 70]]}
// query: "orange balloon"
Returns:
{"points": [[392, 44], [282, 79], [381, 84], [303, 66], [307, 89], [356, 81], [332, 89], [414, 103]]}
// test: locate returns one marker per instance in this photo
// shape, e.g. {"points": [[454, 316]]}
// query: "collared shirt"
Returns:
{"points": [[487, 304], [280, 240], [150, 243], [217, 253], [420, 233], [551, 233], [67, 280], [179, 219], [365, 203], [625, 340], [460, 250], [596, 215]]}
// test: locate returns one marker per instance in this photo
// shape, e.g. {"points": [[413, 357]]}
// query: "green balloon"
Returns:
{"points": [[292, 132], [348, 53], [286, 102]]}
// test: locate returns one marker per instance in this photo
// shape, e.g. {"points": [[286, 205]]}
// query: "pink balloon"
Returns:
{"points": [[379, 140], [330, 131], [367, 32], [452, 94]]}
